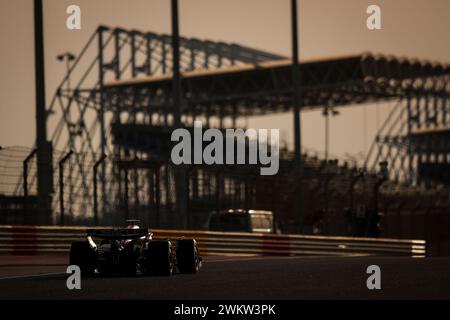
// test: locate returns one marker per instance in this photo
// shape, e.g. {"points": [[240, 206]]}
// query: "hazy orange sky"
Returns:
{"points": [[412, 28]]}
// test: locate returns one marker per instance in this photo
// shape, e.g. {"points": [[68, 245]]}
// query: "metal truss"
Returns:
{"points": [[122, 93], [80, 119], [267, 87], [415, 137]]}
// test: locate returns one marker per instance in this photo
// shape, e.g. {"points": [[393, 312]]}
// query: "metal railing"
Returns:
{"points": [[31, 240]]}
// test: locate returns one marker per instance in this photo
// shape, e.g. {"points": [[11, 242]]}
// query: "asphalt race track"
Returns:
{"points": [[238, 278]]}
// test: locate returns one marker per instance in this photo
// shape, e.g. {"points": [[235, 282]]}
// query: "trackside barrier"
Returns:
{"points": [[31, 240]]}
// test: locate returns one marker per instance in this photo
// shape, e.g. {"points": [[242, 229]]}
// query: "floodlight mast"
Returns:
{"points": [[44, 147], [180, 181], [296, 99]]}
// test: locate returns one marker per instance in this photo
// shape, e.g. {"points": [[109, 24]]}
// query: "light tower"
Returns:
{"points": [[44, 147]]}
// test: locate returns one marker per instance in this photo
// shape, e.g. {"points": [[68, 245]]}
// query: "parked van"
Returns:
{"points": [[243, 221]]}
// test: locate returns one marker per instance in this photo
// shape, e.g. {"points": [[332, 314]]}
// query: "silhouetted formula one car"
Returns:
{"points": [[128, 250]]}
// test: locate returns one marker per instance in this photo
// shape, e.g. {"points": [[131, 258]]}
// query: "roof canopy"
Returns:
{"points": [[267, 87]]}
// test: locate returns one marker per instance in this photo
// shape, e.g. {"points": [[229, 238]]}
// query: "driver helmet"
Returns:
{"points": [[133, 224]]}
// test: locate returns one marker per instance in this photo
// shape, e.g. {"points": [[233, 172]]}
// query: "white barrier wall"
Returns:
{"points": [[32, 240]]}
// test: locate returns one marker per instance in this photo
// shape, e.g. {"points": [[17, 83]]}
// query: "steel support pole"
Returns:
{"points": [[44, 150], [133, 54], [136, 191], [117, 54], [353, 182], [68, 57], [101, 112], [96, 165], [372, 228], [176, 85], [157, 196], [372, 224], [25, 171], [296, 84], [68, 74], [25, 182], [61, 185], [296, 99], [409, 129], [149, 54], [126, 198], [327, 134], [180, 176], [326, 188]]}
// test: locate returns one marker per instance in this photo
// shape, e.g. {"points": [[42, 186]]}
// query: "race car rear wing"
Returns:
{"points": [[117, 234]]}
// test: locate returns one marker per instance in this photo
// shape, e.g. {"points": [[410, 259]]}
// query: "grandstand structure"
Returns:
{"points": [[121, 106]]}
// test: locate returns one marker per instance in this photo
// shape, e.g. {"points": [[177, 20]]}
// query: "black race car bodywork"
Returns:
{"points": [[126, 251]]}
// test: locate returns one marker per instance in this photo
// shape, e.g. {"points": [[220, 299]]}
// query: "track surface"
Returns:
{"points": [[239, 278]]}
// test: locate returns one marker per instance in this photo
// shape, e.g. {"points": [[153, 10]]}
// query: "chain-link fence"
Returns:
{"points": [[337, 199]]}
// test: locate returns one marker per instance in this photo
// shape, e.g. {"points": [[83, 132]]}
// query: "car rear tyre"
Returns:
{"points": [[187, 256], [82, 255], [158, 256]]}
